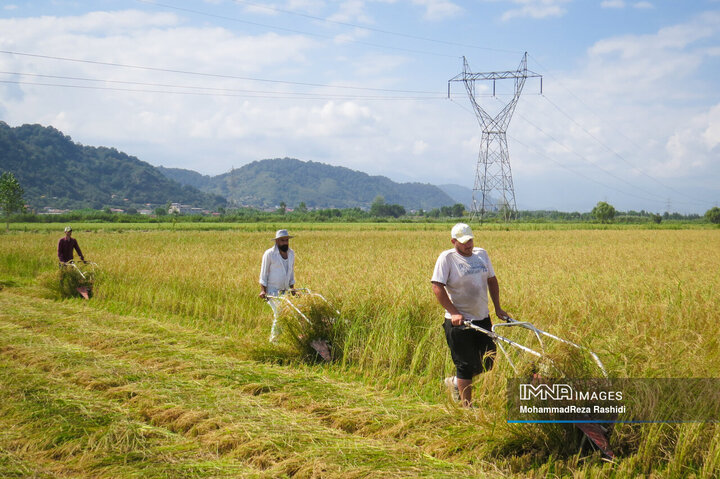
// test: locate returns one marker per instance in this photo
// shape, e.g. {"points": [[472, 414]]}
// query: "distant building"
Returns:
{"points": [[186, 210], [178, 208], [52, 211]]}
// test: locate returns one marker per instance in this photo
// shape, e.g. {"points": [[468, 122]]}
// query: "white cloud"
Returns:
{"points": [[352, 11], [439, 9], [268, 9], [537, 9], [645, 67], [711, 135], [333, 119], [419, 147], [622, 4], [305, 5], [641, 96], [17, 30], [643, 5], [644, 97], [350, 36], [137, 38], [687, 152], [612, 4]]}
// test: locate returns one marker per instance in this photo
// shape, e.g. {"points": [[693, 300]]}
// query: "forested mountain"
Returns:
{"points": [[459, 194], [266, 183], [55, 171], [188, 177]]}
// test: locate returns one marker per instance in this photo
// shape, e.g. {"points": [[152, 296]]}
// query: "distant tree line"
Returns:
{"points": [[12, 206], [350, 215]]}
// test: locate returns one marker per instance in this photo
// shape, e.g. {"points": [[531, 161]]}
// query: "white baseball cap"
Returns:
{"points": [[282, 234], [462, 232], [68, 228]]}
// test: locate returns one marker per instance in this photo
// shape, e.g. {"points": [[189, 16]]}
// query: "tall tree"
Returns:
{"points": [[713, 215], [604, 212], [458, 209], [11, 196]]}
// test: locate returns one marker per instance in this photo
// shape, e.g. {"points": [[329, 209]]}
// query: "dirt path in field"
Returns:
{"points": [[87, 393]]}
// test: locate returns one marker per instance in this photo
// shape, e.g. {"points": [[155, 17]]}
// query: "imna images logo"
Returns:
{"points": [[564, 392], [544, 392]]}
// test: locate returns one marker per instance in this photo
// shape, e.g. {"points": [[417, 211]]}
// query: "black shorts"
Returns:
{"points": [[472, 352]]}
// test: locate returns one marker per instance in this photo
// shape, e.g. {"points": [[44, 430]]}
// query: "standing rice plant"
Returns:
{"points": [[644, 300]]}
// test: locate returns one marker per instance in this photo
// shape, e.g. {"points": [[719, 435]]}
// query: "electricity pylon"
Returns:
{"points": [[493, 177]]}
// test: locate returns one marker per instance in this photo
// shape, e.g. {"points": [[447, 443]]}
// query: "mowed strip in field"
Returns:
{"points": [[155, 377], [107, 394]]}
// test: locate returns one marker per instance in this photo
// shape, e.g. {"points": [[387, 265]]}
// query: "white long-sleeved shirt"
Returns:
{"points": [[277, 273]]}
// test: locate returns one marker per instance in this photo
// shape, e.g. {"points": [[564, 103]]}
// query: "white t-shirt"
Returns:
{"points": [[465, 279]]}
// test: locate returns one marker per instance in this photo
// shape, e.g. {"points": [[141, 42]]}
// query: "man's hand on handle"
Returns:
{"points": [[457, 319]]}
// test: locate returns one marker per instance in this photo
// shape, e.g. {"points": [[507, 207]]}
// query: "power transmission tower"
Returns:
{"points": [[494, 190]]}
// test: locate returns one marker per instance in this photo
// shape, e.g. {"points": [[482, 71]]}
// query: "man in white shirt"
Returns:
{"points": [[462, 278], [277, 274]]}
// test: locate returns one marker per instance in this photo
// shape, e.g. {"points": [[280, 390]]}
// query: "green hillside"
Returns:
{"points": [[54, 171], [188, 177], [266, 183]]}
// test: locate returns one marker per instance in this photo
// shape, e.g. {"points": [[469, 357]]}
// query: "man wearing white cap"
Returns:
{"points": [[462, 278], [277, 274]]}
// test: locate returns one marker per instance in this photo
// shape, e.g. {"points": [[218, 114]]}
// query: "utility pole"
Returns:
{"points": [[494, 190]]}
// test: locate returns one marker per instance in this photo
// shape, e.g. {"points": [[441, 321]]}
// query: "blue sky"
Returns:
{"points": [[629, 111]]}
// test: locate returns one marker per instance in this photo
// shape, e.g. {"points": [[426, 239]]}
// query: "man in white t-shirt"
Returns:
{"points": [[277, 274], [462, 278]]}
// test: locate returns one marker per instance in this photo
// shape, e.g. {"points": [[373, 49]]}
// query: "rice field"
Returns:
{"points": [[166, 371]]}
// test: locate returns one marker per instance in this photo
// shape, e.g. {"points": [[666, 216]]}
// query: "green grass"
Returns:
{"points": [[128, 386]]}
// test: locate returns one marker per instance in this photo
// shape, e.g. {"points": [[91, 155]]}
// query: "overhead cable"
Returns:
{"points": [[565, 167], [216, 75], [370, 29], [604, 145], [268, 95], [210, 90], [585, 159], [292, 30]]}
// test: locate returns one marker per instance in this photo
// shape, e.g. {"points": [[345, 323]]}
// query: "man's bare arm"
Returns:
{"points": [[441, 294]]}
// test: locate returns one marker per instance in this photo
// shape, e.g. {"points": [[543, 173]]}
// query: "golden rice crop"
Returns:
{"points": [[644, 299]]}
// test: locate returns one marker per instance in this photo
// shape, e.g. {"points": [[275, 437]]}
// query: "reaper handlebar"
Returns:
{"points": [[539, 334]]}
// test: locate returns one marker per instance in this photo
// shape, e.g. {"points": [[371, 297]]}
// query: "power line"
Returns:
{"points": [[216, 75], [215, 91], [619, 156], [565, 167], [292, 30], [604, 185], [370, 29], [616, 154], [582, 157], [283, 96]]}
